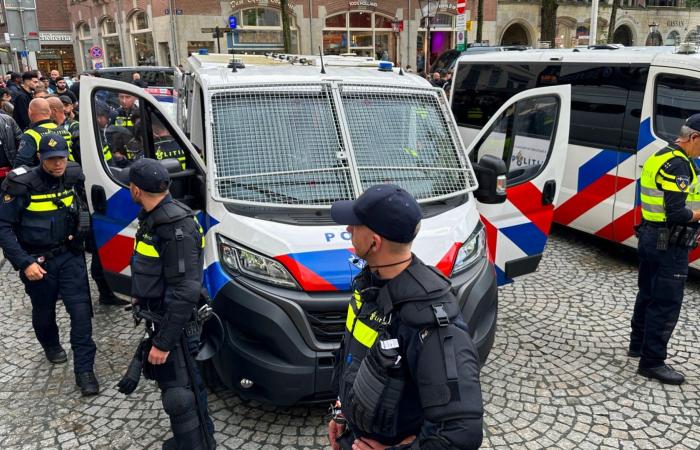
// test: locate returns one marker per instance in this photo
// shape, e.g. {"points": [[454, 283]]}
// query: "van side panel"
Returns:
{"points": [[598, 191]]}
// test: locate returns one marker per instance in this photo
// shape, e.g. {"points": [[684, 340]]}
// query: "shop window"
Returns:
{"points": [[110, 43], [369, 35], [260, 30], [85, 39], [360, 20], [337, 21], [140, 21]]}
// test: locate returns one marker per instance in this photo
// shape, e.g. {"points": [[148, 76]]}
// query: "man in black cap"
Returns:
{"points": [[41, 232], [670, 203], [407, 372], [166, 284]]}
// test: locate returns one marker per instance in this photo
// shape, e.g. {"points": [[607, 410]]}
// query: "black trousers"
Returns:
{"points": [[662, 276], [176, 386], [65, 276]]}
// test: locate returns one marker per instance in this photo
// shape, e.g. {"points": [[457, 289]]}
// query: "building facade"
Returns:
{"points": [[55, 33], [139, 32], [654, 22]]}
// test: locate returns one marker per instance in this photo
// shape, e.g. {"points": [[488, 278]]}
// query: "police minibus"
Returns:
{"points": [[626, 104], [271, 142]]}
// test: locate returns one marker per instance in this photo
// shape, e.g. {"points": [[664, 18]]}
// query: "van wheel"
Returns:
{"points": [[210, 376]]}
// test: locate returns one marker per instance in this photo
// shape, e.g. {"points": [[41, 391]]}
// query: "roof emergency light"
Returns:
{"points": [[386, 66]]}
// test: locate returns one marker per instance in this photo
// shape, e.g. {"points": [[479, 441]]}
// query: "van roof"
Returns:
{"points": [[213, 71], [658, 56]]}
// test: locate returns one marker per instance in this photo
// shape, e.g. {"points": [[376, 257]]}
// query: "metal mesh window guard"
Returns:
{"points": [[280, 146], [404, 137]]}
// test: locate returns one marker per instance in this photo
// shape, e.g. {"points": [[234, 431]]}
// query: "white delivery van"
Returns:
{"points": [[271, 146]]}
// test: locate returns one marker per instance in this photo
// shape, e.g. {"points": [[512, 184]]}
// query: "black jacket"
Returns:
{"points": [[10, 135], [21, 111], [440, 401]]}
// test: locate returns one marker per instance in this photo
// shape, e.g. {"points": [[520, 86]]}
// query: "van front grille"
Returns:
{"points": [[328, 327]]}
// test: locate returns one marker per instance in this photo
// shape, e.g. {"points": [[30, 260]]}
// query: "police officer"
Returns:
{"points": [[166, 146], [670, 212], [166, 282], [41, 233], [127, 114], [40, 115], [407, 372]]}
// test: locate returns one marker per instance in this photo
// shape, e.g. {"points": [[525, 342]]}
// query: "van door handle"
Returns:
{"points": [[548, 192], [99, 199]]}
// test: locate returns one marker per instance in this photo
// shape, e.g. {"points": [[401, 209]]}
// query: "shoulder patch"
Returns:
{"points": [[7, 198], [682, 181]]}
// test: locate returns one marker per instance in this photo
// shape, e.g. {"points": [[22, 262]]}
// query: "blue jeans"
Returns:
{"points": [[66, 275], [662, 276]]}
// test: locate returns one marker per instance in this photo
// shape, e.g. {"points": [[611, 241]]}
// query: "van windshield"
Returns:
{"points": [[288, 145]]}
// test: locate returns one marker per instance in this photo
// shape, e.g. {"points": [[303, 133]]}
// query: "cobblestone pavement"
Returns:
{"points": [[557, 376]]}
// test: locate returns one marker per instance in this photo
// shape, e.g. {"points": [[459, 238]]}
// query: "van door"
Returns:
{"points": [[119, 123], [530, 132]]}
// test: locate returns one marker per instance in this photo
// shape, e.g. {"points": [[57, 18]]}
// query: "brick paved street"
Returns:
{"points": [[558, 375]]}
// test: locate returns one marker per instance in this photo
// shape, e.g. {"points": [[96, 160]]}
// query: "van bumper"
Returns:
{"points": [[283, 341]]}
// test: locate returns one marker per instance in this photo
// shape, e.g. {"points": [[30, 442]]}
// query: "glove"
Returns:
{"points": [[131, 378]]}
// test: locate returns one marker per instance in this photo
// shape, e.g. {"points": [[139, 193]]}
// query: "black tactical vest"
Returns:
{"points": [[51, 214]]}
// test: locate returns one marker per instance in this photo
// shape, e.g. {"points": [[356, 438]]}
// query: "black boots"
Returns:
{"points": [[56, 354], [87, 382], [663, 373]]}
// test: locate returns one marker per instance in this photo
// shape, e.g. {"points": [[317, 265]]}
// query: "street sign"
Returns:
{"points": [[461, 41], [96, 52], [461, 6], [24, 54], [22, 26], [232, 22], [461, 22]]}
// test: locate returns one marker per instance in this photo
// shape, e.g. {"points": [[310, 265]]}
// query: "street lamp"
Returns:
{"points": [[428, 9]]}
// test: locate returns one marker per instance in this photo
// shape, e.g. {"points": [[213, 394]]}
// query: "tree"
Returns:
{"points": [[613, 18], [548, 21], [286, 32], [480, 19]]}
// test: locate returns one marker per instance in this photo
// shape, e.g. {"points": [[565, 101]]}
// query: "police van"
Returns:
{"points": [[627, 103], [271, 145]]}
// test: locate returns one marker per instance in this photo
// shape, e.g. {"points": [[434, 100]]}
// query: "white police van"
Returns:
{"points": [[627, 103], [271, 146]]}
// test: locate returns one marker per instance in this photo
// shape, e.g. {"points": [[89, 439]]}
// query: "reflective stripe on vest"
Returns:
{"points": [[50, 202], [122, 121], [201, 230], [106, 153], [362, 333], [654, 181], [52, 128], [146, 249]]}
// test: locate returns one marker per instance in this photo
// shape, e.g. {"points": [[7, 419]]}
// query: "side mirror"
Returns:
{"points": [[491, 175]]}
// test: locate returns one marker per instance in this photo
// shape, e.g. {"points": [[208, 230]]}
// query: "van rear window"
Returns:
{"points": [[677, 98], [606, 101], [151, 77]]}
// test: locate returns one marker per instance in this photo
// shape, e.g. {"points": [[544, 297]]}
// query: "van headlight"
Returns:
{"points": [[254, 265], [471, 251]]}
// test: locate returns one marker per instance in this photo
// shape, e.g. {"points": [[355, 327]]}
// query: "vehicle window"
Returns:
{"points": [[677, 98], [404, 139], [279, 147], [605, 107], [152, 77], [522, 137], [164, 143], [605, 104], [118, 127]]}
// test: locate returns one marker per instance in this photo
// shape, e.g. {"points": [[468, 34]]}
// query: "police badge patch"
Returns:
{"points": [[682, 182], [7, 198]]}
